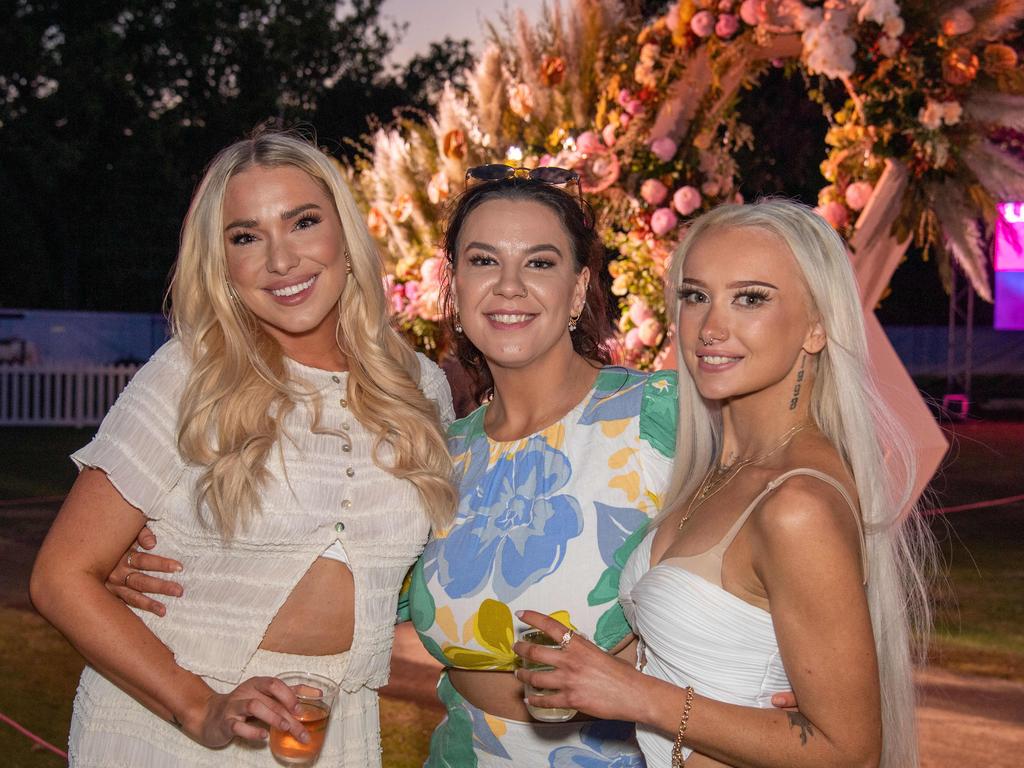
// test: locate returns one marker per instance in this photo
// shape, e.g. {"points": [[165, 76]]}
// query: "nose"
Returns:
{"points": [[714, 327], [510, 282], [281, 259]]}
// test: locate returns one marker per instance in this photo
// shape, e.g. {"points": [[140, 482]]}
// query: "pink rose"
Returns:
{"points": [[650, 332], [858, 194], [639, 311], [749, 13], [430, 270], [412, 291], [633, 106], [624, 120], [725, 6], [624, 97], [653, 192], [588, 142], [702, 23], [727, 26], [663, 221], [834, 213], [632, 340], [598, 171], [686, 200], [608, 134], [664, 148]]}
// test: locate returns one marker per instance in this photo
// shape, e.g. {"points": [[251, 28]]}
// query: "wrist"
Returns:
{"points": [[189, 712]]}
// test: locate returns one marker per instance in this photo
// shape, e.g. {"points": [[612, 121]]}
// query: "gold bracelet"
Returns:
{"points": [[678, 761]]}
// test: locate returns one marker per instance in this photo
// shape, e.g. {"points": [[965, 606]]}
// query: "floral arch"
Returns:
{"points": [[646, 112]]}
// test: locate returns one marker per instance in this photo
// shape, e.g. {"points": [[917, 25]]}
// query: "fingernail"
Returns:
{"points": [[296, 708], [519, 614], [161, 610], [177, 568], [179, 591], [284, 725], [304, 737]]}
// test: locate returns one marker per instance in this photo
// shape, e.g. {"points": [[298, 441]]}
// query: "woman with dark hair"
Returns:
{"points": [[561, 469]]}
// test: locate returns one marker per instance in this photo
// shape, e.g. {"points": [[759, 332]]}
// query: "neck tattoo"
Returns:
{"points": [[799, 381]]}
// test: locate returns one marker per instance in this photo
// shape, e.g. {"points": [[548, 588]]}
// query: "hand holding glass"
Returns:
{"points": [[316, 696], [544, 714]]}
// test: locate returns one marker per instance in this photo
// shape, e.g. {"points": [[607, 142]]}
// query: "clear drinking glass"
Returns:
{"points": [[316, 696], [544, 714]]}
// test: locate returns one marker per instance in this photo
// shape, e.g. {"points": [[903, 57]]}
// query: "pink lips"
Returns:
{"points": [[293, 298], [709, 367]]}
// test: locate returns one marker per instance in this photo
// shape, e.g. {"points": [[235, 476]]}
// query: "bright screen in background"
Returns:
{"points": [[1009, 265]]}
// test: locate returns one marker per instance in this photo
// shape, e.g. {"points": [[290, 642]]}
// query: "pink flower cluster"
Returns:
{"points": [[725, 25]]}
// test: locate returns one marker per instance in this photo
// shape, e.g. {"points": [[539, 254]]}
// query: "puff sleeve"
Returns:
{"points": [[435, 386]]}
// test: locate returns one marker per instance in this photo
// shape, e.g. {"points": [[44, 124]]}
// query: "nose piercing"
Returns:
{"points": [[708, 341]]}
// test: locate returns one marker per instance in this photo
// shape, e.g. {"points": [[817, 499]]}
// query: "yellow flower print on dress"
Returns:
{"points": [[493, 630]]}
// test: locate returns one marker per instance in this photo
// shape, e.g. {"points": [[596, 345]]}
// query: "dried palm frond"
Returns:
{"points": [[1006, 109], [995, 18], [488, 87], [962, 235], [999, 172]]}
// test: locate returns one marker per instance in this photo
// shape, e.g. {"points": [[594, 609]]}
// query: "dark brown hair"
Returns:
{"points": [[578, 221]]}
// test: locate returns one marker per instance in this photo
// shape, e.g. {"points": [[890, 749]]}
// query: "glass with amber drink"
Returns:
{"points": [[544, 714], [316, 696]]}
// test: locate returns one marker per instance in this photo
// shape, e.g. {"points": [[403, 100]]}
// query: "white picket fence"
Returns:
{"points": [[59, 395]]}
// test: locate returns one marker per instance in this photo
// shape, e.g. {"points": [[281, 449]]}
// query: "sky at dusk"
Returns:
{"points": [[430, 21]]}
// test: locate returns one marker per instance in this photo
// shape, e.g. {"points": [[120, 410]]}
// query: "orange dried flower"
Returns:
{"points": [[960, 66], [552, 70], [454, 144]]}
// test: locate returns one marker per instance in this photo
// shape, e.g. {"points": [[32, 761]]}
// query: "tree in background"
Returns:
{"points": [[109, 109]]}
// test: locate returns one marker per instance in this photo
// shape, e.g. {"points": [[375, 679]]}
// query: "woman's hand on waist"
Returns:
{"points": [[130, 581]]}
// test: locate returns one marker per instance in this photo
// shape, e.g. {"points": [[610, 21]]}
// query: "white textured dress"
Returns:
{"points": [[694, 632], [332, 491]]}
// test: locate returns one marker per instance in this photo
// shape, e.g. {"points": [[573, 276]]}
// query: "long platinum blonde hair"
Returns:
{"points": [[239, 388], [848, 409]]}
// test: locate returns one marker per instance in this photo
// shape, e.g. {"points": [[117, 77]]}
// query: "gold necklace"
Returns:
{"points": [[718, 477]]}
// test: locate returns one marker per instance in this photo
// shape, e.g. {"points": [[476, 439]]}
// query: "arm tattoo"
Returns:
{"points": [[796, 720], [799, 382]]}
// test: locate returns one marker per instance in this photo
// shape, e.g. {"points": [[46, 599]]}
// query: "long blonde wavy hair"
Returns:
{"points": [[847, 408], [239, 389]]}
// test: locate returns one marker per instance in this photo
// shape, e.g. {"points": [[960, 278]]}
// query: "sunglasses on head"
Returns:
{"points": [[546, 174]]}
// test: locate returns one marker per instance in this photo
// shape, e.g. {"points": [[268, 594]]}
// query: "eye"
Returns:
{"points": [[242, 238], [540, 262], [481, 260], [689, 295], [752, 297], [307, 221]]}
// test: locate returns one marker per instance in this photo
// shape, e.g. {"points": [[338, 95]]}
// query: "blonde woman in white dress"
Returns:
{"points": [[785, 557], [286, 446]]}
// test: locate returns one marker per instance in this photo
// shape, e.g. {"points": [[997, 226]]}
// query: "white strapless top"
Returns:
{"points": [[694, 632]]}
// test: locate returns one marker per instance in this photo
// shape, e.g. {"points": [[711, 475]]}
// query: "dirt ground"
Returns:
{"points": [[964, 720]]}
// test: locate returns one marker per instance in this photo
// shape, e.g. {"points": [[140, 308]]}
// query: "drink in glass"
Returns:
{"points": [[316, 697], [544, 714]]}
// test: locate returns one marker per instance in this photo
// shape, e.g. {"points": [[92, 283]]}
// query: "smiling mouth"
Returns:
{"points": [[291, 290], [504, 318], [718, 359]]}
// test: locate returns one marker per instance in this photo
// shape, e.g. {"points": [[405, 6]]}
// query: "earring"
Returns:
{"points": [[574, 320], [348, 263], [458, 323]]}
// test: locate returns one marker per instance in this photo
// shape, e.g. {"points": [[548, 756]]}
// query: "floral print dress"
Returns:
{"points": [[545, 522]]}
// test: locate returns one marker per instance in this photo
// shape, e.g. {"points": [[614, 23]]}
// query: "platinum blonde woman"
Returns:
{"points": [[287, 448], [785, 556]]}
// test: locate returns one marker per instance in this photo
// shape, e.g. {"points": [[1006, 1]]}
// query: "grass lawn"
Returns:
{"points": [[979, 608]]}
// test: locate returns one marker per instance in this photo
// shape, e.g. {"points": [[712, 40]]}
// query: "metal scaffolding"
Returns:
{"points": [[960, 345]]}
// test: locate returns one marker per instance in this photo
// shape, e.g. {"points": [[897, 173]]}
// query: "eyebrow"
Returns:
{"points": [[735, 284], [291, 214], [531, 250]]}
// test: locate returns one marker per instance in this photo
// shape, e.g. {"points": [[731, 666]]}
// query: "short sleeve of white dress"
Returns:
{"points": [[434, 384], [137, 443]]}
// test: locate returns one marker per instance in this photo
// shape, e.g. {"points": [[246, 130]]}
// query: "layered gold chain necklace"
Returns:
{"points": [[718, 476]]}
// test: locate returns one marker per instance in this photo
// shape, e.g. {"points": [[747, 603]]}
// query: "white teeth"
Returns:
{"points": [[291, 290], [718, 359], [509, 319]]}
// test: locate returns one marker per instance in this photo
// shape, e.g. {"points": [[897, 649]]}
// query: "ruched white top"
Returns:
{"points": [[332, 490], [694, 632]]}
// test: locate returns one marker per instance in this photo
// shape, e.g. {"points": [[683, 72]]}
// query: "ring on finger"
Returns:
{"points": [[131, 554], [127, 576], [566, 638]]}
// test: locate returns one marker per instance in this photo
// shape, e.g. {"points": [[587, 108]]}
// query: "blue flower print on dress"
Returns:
{"points": [[516, 525], [606, 744]]}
